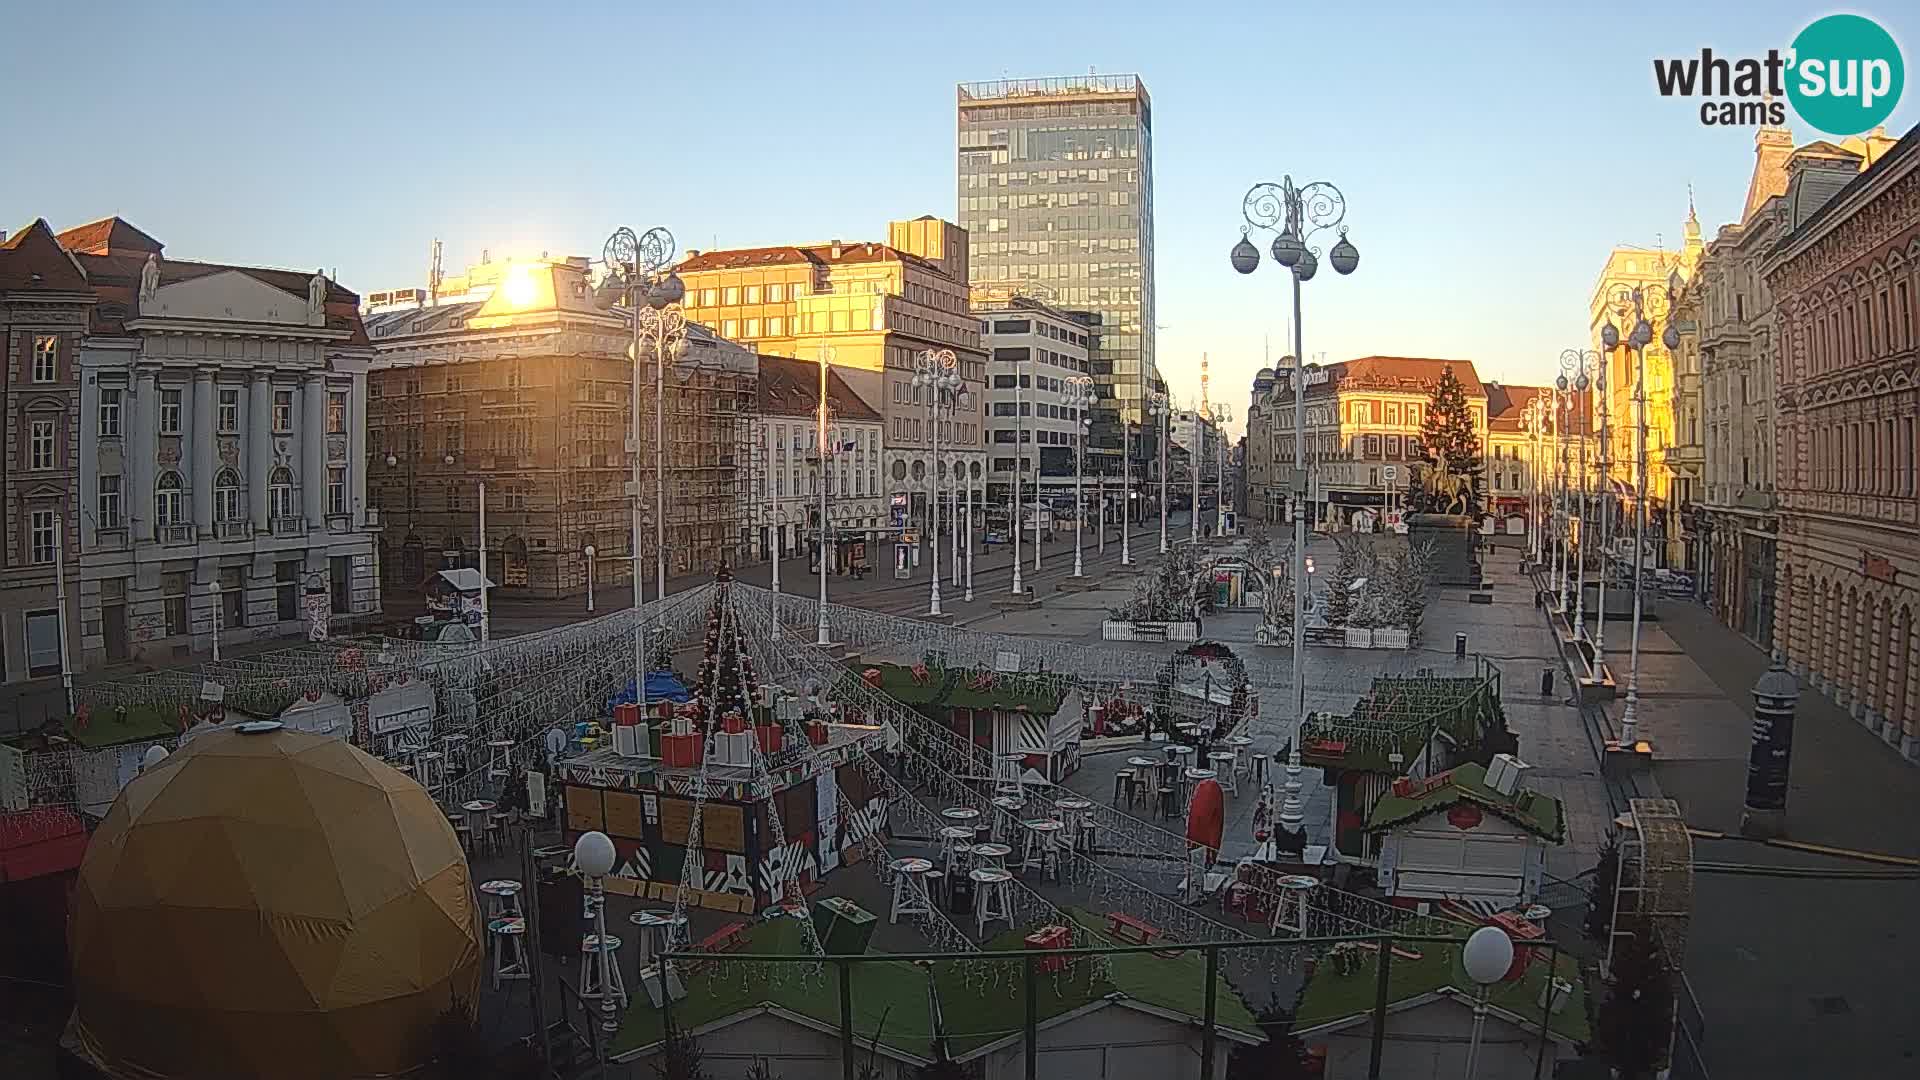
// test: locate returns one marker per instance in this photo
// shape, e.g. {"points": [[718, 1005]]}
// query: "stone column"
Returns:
{"points": [[259, 448], [202, 429], [142, 451], [313, 449], [357, 448]]}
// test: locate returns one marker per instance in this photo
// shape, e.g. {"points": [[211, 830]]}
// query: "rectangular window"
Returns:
{"points": [[730, 295], [753, 328], [753, 294], [46, 357], [41, 540], [229, 412], [286, 590], [110, 412], [43, 643], [283, 411], [107, 506], [166, 506], [336, 491], [169, 412], [40, 444], [340, 583], [709, 297], [775, 325], [730, 328], [776, 293], [226, 501], [233, 596], [336, 412], [173, 592]]}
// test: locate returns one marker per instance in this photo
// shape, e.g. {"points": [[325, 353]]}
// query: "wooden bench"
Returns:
{"points": [[1124, 927], [725, 939]]}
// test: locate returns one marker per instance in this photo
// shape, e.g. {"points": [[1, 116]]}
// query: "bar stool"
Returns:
{"points": [[955, 840], [590, 987], [503, 898], [1041, 853], [1223, 767], [455, 746], [1242, 746], [936, 880], [1006, 810], [499, 758], [991, 855], [1071, 812], [1193, 779], [1086, 833], [464, 832], [990, 901], [1260, 762], [430, 769], [477, 817], [910, 887], [1123, 782], [656, 931], [1169, 802], [509, 948]]}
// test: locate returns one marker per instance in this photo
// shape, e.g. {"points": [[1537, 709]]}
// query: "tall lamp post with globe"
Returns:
{"points": [[935, 373], [1296, 214], [1079, 396], [1576, 373], [1158, 404], [1642, 301], [639, 267]]}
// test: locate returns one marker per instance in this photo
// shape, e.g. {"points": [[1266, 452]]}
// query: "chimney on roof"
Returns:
{"points": [[3, 236], [836, 249], [692, 252]]}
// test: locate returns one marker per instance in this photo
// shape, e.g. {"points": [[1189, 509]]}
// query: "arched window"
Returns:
{"points": [[226, 495], [167, 505], [280, 493]]}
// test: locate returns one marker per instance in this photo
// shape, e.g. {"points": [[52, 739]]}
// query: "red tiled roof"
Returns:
{"points": [[1507, 406], [33, 259], [109, 236], [791, 387], [1384, 372]]}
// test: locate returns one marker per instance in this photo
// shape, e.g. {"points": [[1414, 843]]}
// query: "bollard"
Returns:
{"points": [[1459, 646], [1764, 813], [1546, 682]]}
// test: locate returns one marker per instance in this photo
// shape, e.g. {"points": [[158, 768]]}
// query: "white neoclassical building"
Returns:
{"points": [[222, 453]]}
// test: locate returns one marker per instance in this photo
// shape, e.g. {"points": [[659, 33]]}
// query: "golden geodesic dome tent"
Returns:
{"points": [[271, 904]]}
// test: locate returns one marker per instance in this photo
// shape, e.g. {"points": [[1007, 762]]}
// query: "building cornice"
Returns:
{"points": [[216, 328]]}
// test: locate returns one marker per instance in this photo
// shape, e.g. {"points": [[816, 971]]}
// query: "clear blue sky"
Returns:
{"points": [[1490, 154]]}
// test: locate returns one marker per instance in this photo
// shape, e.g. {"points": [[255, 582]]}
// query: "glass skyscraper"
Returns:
{"points": [[1056, 190]]}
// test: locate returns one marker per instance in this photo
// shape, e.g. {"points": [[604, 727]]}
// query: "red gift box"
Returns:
{"points": [[817, 732], [1050, 937], [626, 715], [680, 751], [768, 736], [733, 723]]}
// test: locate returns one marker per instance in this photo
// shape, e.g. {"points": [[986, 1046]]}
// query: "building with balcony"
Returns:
{"points": [[1032, 349], [44, 308], [1734, 510], [528, 388], [1843, 284], [222, 452], [875, 307], [1521, 457], [787, 478], [1055, 186], [1362, 428]]}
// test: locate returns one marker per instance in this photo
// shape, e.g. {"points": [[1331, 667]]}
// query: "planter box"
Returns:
{"points": [[1122, 630]]}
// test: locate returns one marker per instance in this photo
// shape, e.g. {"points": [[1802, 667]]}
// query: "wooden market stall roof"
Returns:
{"points": [[1537, 812], [1331, 998], [967, 688], [891, 1005]]}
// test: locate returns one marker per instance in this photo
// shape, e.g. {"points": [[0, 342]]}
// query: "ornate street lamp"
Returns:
{"points": [[653, 294], [935, 373], [1648, 303], [1576, 370], [1079, 395], [1222, 416], [1159, 405], [1297, 214]]}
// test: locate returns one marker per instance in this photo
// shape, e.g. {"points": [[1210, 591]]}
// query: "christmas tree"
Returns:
{"points": [[1636, 1019], [1450, 445], [1340, 589], [726, 680]]}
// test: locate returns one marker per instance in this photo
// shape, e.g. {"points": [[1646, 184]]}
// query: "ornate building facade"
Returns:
{"points": [[522, 381], [1843, 279], [787, 477], [222, 452], [44, 305]]}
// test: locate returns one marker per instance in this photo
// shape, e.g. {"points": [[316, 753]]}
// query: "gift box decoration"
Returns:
{"points": [[769, 737], [733, 748], [816, 733], [626, 715], [680, 751], [1050, 937], [733, 723]]}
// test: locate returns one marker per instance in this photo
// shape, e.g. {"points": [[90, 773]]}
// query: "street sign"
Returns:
{"points": [[1392, 473]]}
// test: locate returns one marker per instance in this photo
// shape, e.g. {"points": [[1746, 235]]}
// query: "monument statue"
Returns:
{"points": [[149, 278], [317, 299], [1446, 491]]}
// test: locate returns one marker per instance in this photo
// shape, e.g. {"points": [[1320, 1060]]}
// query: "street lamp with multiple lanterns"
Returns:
{"points": [[936, 374], [1158, 404], [1296, 214], [1079, 397]]}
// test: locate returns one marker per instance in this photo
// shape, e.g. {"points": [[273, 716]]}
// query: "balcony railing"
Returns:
{"points": [[289, 526], [233, 530], [176, 534]]}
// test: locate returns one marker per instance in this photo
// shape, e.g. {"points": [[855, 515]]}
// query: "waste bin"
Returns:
{"points": [[1459, 646], [1546, 682]]}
